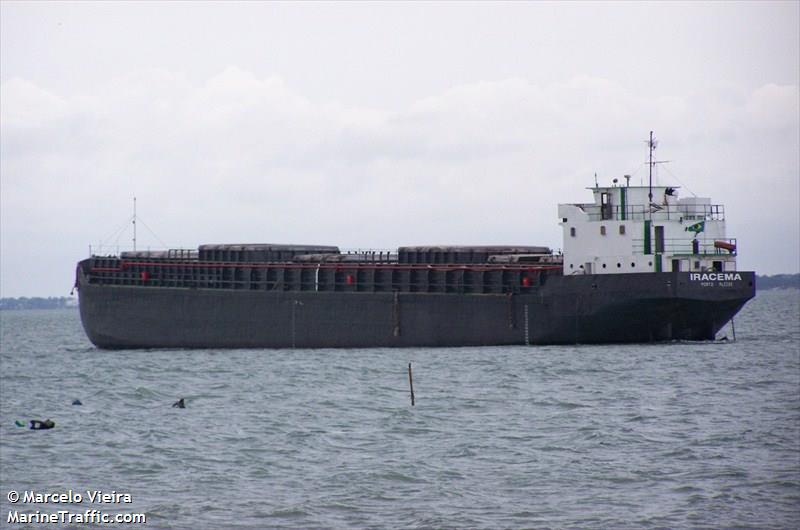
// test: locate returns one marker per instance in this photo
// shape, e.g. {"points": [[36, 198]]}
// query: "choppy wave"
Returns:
{"points": [[666, 435]]}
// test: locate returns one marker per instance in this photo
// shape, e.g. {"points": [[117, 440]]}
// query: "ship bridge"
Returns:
{"points": [[629, 229]]}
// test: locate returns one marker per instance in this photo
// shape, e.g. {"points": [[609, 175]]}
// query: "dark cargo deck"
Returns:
{"points": [[328, 277]]}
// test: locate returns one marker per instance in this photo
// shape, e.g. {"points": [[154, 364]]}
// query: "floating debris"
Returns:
{"points": [[39, 425]]}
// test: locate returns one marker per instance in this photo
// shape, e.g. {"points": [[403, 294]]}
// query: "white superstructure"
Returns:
{"points": [[645, 229]]}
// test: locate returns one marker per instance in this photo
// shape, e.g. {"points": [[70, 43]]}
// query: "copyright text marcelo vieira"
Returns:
{"points": [[67, 514]]}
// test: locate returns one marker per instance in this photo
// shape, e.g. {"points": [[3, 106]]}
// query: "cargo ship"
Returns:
{"points": [[639, 264]]}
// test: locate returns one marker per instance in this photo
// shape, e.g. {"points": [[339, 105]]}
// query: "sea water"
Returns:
{"points": [[685, 434]]}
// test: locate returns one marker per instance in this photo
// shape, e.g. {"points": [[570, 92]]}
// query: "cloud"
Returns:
{"points": [[238, 158], [774, 107], [27, 106]]}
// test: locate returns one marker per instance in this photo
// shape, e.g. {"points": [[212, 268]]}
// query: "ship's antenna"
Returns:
{"points": [[653, 143], [134, 223], [652, 146], [596, 185]]}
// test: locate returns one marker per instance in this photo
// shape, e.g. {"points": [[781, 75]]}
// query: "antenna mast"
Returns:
{"points": [[134, 223], [650, 186]]}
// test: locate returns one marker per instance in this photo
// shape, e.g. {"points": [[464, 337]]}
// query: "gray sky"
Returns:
{"points": [[381, 124]]}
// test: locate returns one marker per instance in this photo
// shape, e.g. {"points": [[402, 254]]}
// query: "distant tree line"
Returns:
{"points": [[37, 303], [778, 281]]}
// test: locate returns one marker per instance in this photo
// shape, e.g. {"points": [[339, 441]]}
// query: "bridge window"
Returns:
{"points": [[622, 230], [602, 230], [572, 231]]}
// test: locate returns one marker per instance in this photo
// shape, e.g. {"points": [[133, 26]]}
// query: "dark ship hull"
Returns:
{"points": [[553, 309]]}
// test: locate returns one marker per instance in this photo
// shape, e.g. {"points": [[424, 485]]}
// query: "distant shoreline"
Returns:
{"points": [[23, 303], [763, 283], [778, 281]]}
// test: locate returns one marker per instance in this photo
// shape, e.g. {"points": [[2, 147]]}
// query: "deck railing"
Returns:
{"points": [[337, 277], [688, 247], [640, 212]]}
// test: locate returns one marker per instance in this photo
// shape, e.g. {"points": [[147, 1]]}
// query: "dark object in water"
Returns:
{"points": [[77, 402], [39, 425], [411, 384], [179, 404]]}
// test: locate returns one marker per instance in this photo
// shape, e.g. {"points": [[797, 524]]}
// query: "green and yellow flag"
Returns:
{"points": [[697, 227]]}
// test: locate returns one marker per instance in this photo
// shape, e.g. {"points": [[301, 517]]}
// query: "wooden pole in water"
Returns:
{"points": [[411, 384]]}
